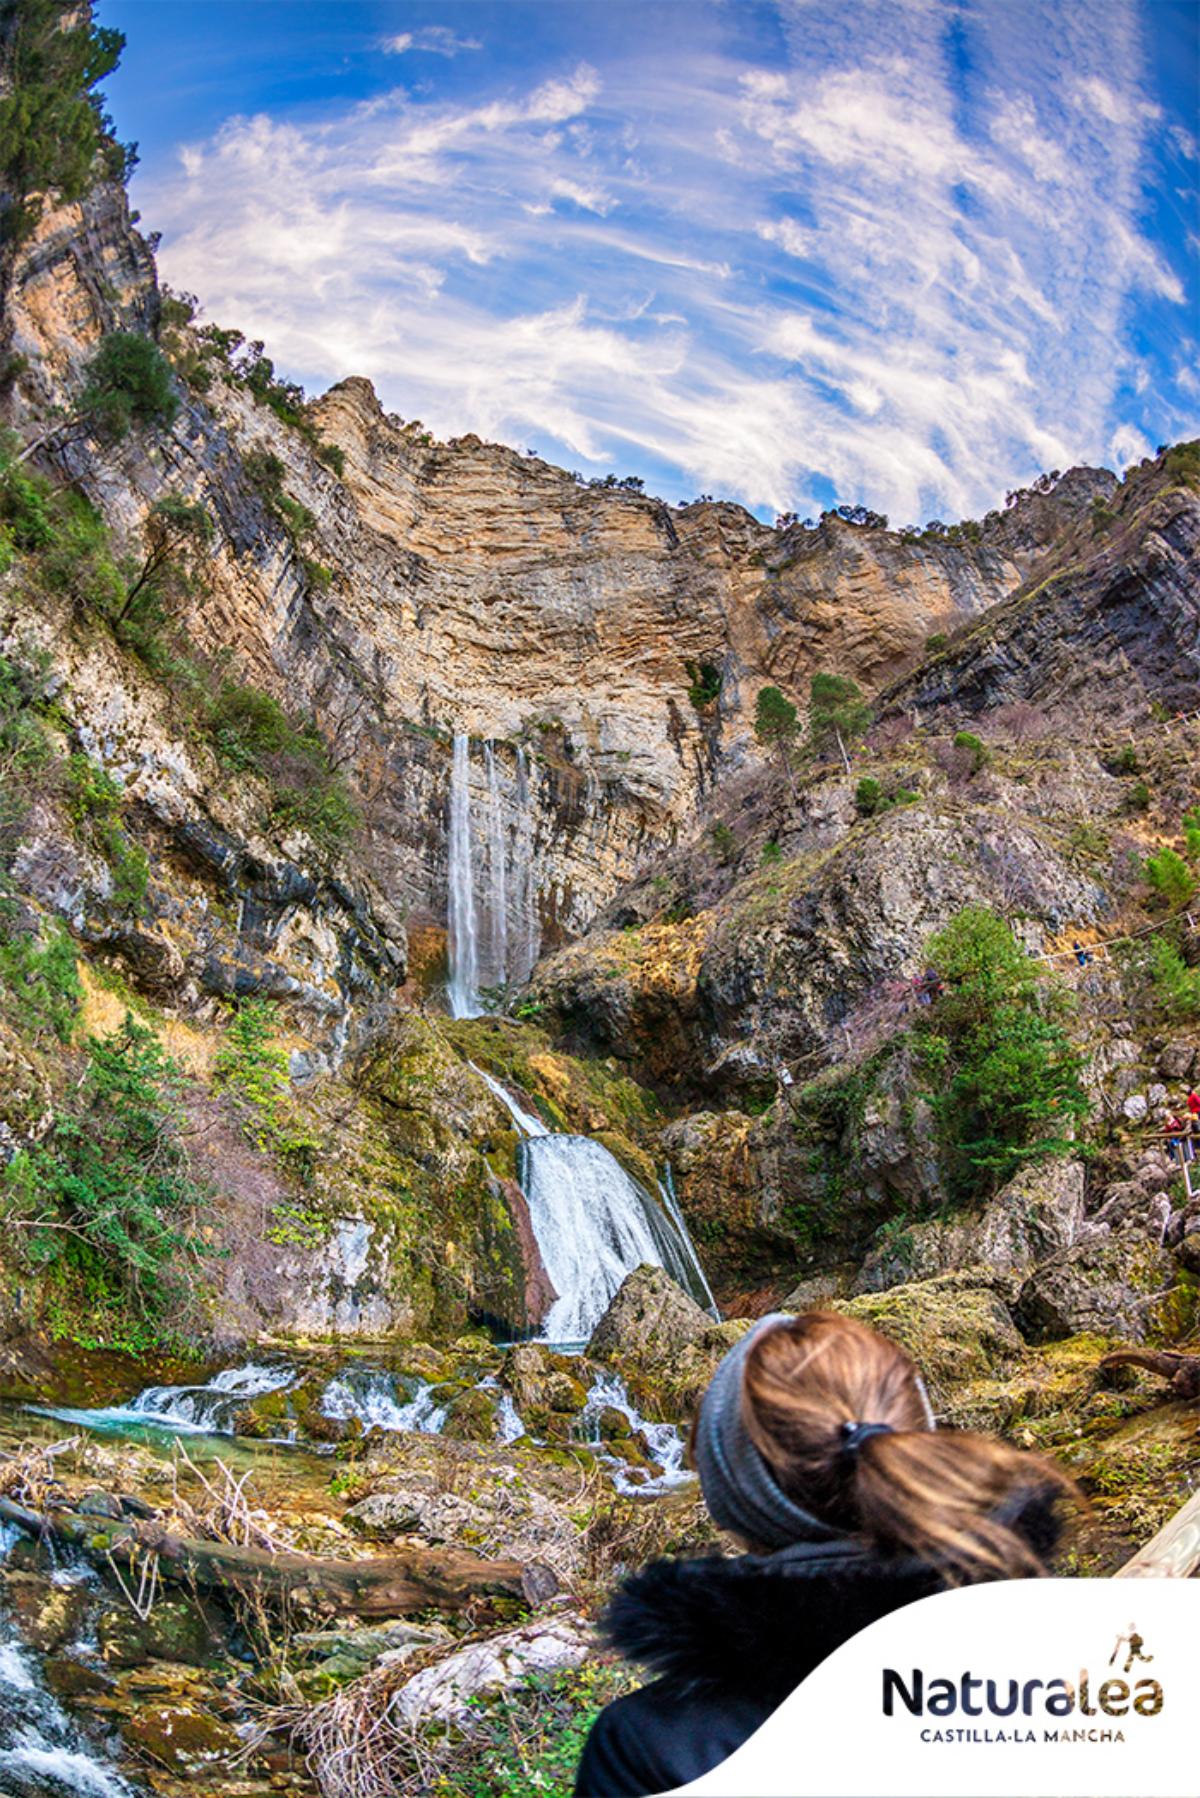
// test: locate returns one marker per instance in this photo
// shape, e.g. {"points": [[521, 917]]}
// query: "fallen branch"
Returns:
{"points": [[1183, 1371], [444, 1579]]}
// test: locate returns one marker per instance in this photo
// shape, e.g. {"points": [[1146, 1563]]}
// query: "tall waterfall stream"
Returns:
{"points": [[491, 910]]}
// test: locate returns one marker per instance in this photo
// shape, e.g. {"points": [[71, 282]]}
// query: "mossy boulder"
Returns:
{"points": [[956, 1327], [1106, 1284], [564, 1393], [471, 1417], [649, 1319], [47, 1615], [180, 1735], [1036, 1215], [294, 1411], [613, 1425], [529, 1368], [421, 1361], [177, 1629], [661, 1343]]}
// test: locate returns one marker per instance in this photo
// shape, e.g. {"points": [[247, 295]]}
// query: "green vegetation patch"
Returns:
{"points": [[1005, 1084], [252, 1068], [55, 136], [143, 598], [95, 804], [105, 1202]]}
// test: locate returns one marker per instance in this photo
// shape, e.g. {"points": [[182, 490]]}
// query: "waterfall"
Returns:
{"points": [[593, 1224], [463, 990], [492, 910], [497, 906], [43, 1754], [526, 1122], [525, 951]]}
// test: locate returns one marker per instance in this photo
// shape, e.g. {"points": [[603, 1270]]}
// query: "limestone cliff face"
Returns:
{"points": [[1110, 622], [472, 588]]}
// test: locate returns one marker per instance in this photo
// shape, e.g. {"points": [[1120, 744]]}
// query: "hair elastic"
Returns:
{"points": [[855, 1434]]}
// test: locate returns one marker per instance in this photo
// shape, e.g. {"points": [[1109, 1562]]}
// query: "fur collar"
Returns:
{"points": [[758, 1624]]}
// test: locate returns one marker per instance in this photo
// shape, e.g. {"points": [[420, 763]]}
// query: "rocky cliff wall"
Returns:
{"points": [[465, 586]]}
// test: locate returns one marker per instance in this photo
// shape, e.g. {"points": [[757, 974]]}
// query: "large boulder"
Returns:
{"points": [[1035, 1216], [649, 1318], [660, 1342], [956, 1327], [1109, 1283], [445, 1690]]}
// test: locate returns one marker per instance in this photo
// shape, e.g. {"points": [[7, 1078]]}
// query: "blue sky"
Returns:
{"points": [[906, 253]]}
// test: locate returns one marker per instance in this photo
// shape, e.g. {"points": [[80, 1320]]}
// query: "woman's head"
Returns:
{"points": [[784, 1456]]}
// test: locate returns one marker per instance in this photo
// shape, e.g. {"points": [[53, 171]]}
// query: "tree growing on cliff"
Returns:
{"points": [[107, 1195], [1170, 877], [175, 532], [127, 383], [55, 137], [777, 727], [837, 713], [1005, 1076]]}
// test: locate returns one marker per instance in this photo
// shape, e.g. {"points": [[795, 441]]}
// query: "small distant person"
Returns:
{"points": [[1081, 955], [1193, 1102], [1179, 1136]]}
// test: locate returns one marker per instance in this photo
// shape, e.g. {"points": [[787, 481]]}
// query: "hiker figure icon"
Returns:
{"points": [[1133, 1649]]}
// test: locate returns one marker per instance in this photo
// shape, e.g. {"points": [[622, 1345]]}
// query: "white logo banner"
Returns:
{"points": [[1022, 1689]]}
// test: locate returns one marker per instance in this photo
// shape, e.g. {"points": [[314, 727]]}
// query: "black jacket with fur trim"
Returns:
{"points": [[729, 1639]]}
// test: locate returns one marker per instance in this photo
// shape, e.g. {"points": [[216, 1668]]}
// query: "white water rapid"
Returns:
{"points": [[376, 1399], [42, 1752], [185, 1410], [662, 1441]]}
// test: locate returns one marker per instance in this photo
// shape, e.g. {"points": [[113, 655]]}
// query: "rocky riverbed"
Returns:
{"points": [[148, 1673]]}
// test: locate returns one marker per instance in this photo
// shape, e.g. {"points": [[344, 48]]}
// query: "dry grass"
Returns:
{"points": [[225, 1514], [28, 1474], [103, 1011]]}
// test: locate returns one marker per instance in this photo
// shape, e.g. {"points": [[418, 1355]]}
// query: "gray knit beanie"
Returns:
{"points": [[739, 1487]]}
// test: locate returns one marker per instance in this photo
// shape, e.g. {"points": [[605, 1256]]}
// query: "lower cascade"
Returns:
{"points": [[594, 1224], [382, 1403]]}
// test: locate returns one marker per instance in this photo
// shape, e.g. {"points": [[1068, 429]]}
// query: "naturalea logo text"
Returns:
{"points": [[974, 1697], [971, 1696]]}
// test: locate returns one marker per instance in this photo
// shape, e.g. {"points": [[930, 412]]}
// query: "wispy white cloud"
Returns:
{"points": [[437, 40], [850, 269]]}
